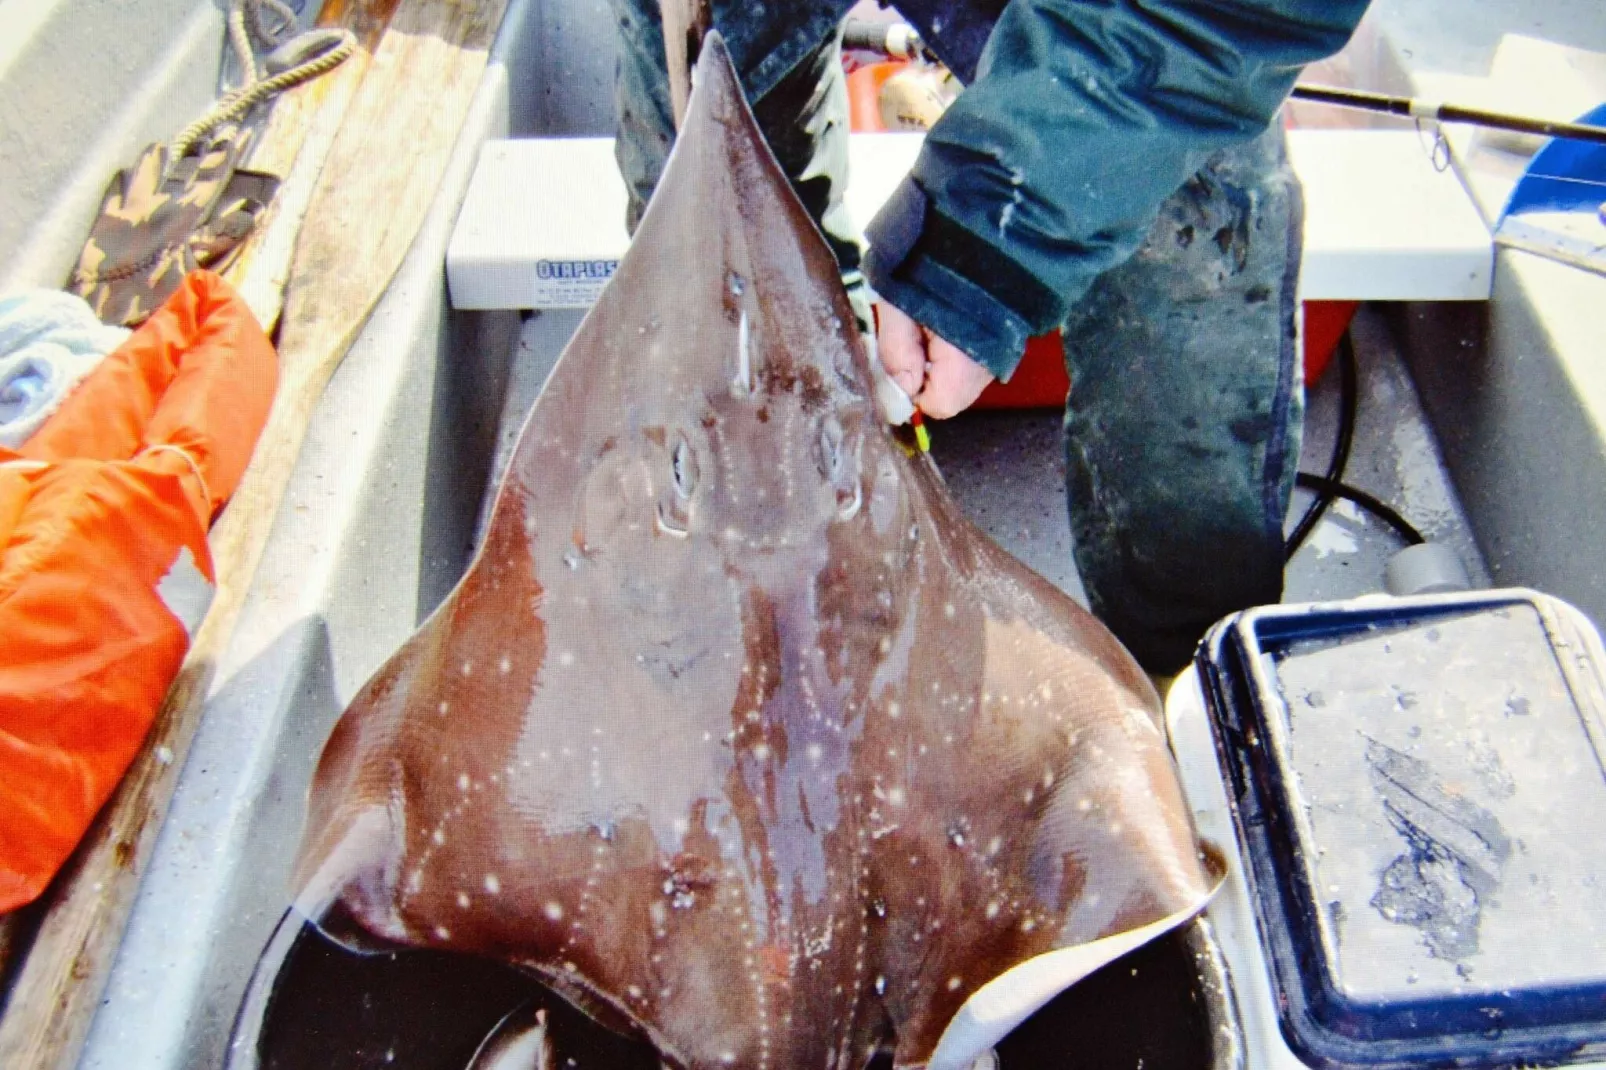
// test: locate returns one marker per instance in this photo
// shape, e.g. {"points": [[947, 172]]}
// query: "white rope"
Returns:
{"points": [[235, 105]]}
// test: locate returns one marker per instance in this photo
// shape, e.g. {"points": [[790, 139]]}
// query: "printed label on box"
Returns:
{"points": [[571, 283]]}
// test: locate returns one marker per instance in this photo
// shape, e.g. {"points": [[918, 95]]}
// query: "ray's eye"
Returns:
{"points": [[674, 502], [830, 458], [684, 463]]}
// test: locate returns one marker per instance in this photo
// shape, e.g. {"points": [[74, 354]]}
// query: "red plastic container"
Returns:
{"points": [[864, 95], [1325, 324], [1040, 381]]}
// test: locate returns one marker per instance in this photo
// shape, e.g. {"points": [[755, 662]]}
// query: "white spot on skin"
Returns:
{"points": [[1028, 925], [468, 667], [992, 910], [948, 610], [492, 885], [1084, 805], [505, 666], [462, 782], [442, 933], [439, 837], [566, 659], [443, 707], [894, 710], [462, 901], [762, 752], [744, 356], [954, 983], [895, 796], [553, 911], [815, 752]]}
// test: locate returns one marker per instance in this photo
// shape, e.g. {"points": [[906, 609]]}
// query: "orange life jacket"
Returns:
{"points": [[104, 567]]}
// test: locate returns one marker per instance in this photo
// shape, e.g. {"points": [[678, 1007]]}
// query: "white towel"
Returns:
{"points": [[49, 341]]}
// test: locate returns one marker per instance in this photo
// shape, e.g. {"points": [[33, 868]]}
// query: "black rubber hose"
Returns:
{"points": [[865, 36], [1332, 488], [1348, 406]]}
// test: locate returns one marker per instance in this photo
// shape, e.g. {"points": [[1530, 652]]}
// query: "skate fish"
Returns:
{"points": [[736, 732]]}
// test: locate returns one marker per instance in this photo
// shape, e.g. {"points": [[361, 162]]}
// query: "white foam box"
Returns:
{"points": [[542, 225]]}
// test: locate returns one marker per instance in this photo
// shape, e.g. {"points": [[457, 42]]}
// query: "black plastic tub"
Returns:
{"points": [[319, 1002]]}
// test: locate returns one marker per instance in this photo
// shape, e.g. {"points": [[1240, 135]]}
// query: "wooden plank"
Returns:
{"points": [[685, 23], [376, 185], [293, 146]]}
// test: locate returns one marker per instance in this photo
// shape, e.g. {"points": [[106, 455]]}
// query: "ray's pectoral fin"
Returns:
{"points": [[995, 1009], [353, 843], [1145, 873], [1114, 856]]}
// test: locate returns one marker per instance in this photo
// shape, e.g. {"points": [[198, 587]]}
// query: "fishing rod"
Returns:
{"points": [[1413, 108], [901, 41]]}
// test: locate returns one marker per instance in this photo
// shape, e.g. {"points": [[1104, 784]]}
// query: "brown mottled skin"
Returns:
{"points": [[736, 731]]}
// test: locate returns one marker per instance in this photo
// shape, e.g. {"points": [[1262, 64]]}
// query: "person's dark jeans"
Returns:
{"points": [[1187, 402], [1183, 424], [804, 119]]}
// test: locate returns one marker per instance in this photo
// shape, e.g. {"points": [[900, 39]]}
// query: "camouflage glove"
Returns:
{"points": [[158, 223]]}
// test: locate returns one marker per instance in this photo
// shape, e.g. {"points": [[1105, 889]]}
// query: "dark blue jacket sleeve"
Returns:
{"points": [[1050, 167]]}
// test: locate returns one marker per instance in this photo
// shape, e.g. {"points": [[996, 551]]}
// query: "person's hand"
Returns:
{"points": [[937, 375]]}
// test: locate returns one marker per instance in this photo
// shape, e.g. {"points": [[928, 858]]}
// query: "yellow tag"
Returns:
{"points": [[922, 437]]}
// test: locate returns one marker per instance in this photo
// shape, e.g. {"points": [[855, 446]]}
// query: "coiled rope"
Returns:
{"points": [[330, 49]]}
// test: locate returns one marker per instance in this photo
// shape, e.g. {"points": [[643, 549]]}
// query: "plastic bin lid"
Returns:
{"points": [[1423, 798]]}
